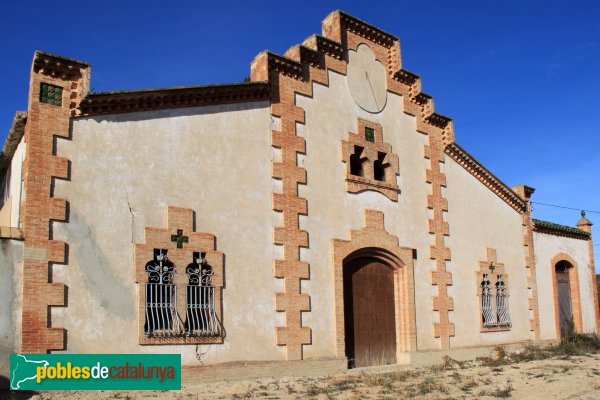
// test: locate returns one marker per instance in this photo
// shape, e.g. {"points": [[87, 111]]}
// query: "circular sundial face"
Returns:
{"points": [[366, 79]]}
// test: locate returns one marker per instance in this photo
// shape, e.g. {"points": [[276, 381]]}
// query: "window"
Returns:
{"points": [[51, 94], [161, 297], [180, 289], [493, 294], [356, 167], [370, 163], [379, 167], [201, 319], [162, 317], [494, 303]]}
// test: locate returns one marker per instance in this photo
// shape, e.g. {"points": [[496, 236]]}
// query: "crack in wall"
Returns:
{"points": [[131, 212]]}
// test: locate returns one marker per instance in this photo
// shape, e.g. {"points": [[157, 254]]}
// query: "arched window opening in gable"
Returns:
{"points": [[379, 167], [356, 167]]}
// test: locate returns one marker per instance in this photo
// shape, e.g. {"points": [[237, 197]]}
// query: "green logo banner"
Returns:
{"points": [[95, 371]]}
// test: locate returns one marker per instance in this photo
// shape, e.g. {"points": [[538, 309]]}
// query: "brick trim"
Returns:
{"points": [[355, 184], [592, 269], [499, 270], [119, 102], [40, 207], [586, 225], [160, 238], [375, 242], [573, 272], [525, 193], [294, 73]]}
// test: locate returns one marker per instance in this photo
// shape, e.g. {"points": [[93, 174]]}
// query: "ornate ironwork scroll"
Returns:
{"points": [[487, 307], [494, 313], [201, 318], [161, 297]]}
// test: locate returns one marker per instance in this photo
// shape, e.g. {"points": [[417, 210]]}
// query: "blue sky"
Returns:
{"points": [[520, 78]]}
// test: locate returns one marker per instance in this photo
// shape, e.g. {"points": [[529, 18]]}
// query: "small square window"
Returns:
{"points": [[370, 134], [51, 94]]}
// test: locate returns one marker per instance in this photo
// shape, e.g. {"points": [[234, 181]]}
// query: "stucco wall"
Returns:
{"points": [[11, 269], [10, 202], [125, 170], [330, 115], [478, 220], [546, 247]]}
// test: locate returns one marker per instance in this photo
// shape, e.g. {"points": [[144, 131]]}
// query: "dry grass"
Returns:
{"points": [[522, 374]]}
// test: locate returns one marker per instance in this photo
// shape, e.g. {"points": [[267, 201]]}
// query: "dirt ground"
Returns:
{"points": [[557, 377]]}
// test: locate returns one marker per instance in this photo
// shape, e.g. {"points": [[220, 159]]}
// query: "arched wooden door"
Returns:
{"points": [[565, 309], [369, 313]]}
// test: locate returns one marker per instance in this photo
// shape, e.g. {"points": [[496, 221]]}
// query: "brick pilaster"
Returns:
{"points": [[586, 225], [45, 121], [525, 193]]}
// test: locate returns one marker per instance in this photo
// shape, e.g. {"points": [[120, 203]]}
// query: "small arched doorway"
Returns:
{"points": [[369, 312], [563, 294], [567, 301]]}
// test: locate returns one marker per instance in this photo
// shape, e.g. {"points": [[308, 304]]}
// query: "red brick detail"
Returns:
{"points": [[160, 238], [295, 73], [525, 193], [484, 268], [374, 241], [369, 155], [439, 229], [585, 225], [44, 122], [573, 271]]}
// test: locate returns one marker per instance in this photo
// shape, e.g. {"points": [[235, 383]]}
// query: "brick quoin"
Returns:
{"points": [[45, 123]]}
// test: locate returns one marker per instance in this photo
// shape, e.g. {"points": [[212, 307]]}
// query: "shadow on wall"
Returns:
{"points": [[114, 295]]}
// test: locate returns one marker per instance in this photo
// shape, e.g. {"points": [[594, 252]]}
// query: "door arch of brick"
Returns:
{"points": [[373, 242], [573, 277]]}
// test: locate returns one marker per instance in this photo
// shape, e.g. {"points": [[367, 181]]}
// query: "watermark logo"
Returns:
{"points": [[95, 371]]}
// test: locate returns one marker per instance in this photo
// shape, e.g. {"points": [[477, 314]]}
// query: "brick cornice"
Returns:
{"points": [[475, 168], [58, 66], [176, 97], [366, 30]]}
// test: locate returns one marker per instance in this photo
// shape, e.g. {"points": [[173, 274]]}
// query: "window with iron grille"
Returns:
{"points": [[201, 317], [51, 94], [161, 299], [494, 303]]}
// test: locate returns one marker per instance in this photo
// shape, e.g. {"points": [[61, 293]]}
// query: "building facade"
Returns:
{"points": [[321, 212]]}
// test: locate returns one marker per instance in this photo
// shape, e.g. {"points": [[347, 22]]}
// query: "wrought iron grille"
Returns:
{"points": [[162, 317], [370, 134], [161, 298], [502, 303], [51, 94], [487, 307], [161, 310], [201, 317], [494, 315]]}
